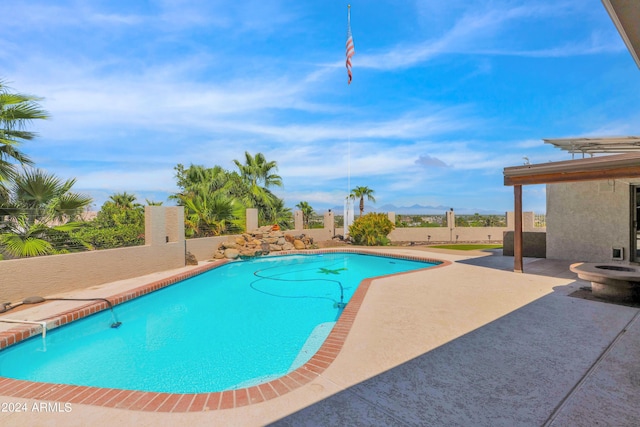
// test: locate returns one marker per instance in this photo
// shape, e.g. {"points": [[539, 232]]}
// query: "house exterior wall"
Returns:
{"points": [[586, 220]]}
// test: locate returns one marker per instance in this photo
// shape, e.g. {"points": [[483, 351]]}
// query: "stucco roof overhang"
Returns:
{"points": [[625, 15], [595, 168], [586, 145]]}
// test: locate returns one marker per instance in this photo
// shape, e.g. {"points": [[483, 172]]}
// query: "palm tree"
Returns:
{"points": [[256, 171], [211, 214], [252, 186], [45, 197], [307, 211], [16, 111], [124, 200], [42, 212], [361, 193]]}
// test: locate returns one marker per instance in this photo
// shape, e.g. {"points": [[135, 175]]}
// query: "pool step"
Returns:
{"points": [[313, 344]]}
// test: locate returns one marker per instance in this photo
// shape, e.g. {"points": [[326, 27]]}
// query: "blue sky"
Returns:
{"points": [[444, 94]]}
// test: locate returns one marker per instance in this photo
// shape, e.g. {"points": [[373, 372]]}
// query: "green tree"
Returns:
{"points": [[257, 177], [16, 111], [215, 199], [307, 212], [124, 200], [212, 200], [212, 214], [280, 214], [371, 229], [361, 193], [42, 213], [119, 223]]}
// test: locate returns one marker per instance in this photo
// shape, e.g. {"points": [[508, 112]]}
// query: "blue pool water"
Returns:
{"points": [[234, 326]]}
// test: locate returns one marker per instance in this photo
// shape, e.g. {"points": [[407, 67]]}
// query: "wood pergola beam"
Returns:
{"points": [[592, 175]]}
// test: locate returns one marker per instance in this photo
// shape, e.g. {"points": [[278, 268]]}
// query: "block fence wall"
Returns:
{"points": [[54, 274]]}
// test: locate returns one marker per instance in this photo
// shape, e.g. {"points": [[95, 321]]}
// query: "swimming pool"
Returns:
{"points": [[238, 325]]}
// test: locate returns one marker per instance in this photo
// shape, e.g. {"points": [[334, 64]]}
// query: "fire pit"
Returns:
{"points": [[611, 281]]}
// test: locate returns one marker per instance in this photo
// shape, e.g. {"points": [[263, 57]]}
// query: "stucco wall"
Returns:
{"points": [[48, 275], [585, 220], [443, 234], [203, 247]]}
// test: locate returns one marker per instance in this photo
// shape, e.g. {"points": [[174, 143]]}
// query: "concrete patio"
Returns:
{"points": [[469, 344]]}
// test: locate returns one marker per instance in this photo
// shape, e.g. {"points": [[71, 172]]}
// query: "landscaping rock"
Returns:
{"points": [[190, 259], [261, 242], [231, 253], [229, 244]]}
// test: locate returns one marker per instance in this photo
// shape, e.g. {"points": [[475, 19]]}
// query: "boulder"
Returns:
{"points": [[231, 253], [288, 246], [299, 244], [190, 259], [229, 244]]}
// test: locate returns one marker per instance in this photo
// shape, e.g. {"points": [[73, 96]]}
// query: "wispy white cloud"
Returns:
{"points": [[481, 31]]}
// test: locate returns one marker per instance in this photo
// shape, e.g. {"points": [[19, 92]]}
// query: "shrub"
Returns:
{"points": [[371, 230]]}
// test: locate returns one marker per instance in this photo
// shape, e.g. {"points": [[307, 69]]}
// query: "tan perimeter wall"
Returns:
{"points": [[54, 274], [443, 234], [585, 220], [48, 275]]}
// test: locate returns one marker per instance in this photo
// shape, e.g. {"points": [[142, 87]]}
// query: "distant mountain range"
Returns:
{"points": [[419, 210]]}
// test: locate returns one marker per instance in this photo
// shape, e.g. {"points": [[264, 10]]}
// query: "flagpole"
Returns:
{"points": [[350, 51]]}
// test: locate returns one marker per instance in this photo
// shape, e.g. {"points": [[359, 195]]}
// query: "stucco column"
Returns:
{"points": [[155, 225], [298, 220], [329, 224], [517, 232], [252, 219], [451, 223], [392, 217], [174, 216]]}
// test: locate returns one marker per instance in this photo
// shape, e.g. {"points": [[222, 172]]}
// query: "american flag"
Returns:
{"points": [[350, 49]]}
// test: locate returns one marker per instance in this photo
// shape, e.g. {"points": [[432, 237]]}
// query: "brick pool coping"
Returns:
{"points": [[190, 402]]}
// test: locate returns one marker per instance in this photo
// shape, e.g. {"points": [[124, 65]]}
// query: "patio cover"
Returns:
{"points": [[591, 169], [625, 15], [587, 145]]}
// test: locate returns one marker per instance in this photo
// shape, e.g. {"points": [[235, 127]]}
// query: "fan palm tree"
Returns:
{"points": [[45, 197], [361, 193], [42, 212], [16, 111], [258, 172], [258, 177], [280, 214], [211, 214], [307, 211], [253, 185], [124, 200]]}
